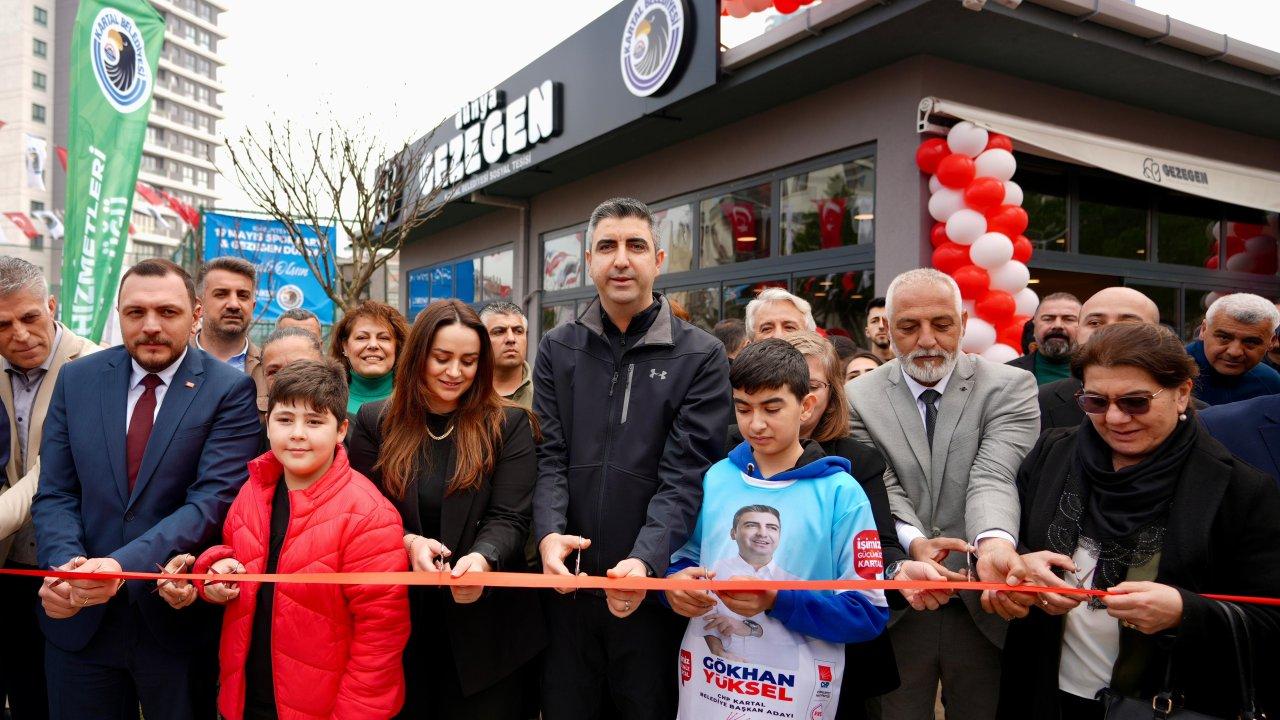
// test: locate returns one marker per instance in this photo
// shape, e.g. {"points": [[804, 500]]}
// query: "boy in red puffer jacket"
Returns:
{"points": [[308, 651]]}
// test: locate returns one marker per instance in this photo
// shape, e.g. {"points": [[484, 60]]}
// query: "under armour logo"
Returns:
{"points": [[660, 374]]}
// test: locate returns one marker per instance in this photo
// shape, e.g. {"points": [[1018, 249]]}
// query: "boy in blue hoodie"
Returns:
{"points": [[776, 509]]}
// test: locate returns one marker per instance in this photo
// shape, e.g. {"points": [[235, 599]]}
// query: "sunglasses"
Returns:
{"points": [[1095, 404]]}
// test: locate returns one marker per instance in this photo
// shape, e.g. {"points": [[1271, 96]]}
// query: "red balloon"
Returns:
{"points": [[930, 153], [1265, 265], [938, 235], [1212, 263], [1021, 249], [984, 193], [1008, 219], [973, 281], [950, 257], [1235, 245], [1011, 332], [956, 171], [996, 307], [996, 141], [786, 7]]}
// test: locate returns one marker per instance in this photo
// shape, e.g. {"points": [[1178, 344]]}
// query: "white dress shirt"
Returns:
{"points": [[136, 389], [906, 531], [1090, 641], [776, 645]]}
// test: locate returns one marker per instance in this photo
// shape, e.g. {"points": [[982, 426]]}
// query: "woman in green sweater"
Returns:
{"points": [[366, 341]]}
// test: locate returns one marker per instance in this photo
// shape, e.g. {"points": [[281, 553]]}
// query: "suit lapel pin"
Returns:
{"points": [[189, 384]]}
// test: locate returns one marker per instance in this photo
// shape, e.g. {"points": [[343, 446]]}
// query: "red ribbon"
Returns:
{"points": [[535, 581]]}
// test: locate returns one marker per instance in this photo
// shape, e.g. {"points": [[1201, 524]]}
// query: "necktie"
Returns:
{"points": [[144, 416], [930, 398]]}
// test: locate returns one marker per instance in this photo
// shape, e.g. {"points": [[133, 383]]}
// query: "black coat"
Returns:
{"points": [[504, 629], [1026, 362], [871, 669], [1222, 536]]}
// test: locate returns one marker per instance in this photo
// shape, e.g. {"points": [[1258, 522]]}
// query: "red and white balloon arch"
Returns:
{"points": [[977, 238], [743, 8]]}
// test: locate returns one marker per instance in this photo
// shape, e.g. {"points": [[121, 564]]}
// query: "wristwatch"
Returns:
{"points": [[754, 627], [892, 569]]}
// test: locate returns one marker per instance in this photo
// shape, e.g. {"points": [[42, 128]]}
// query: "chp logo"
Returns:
{"points": [[651, 44], [119, 60]]}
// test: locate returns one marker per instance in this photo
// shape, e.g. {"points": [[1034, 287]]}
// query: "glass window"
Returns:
{"points": [[39, 47], [1166, 300], [37, 112], [555, 315], [735, 226], [1113, 217], [562, 262], [40, 16], [1251, 243], [839, 300], [736, 296], [829, 208], [36, 206], [1195, 303], [675, 235], [39, 80], [441, 282], [1045, 200], [499, 269], [702, 304], [465, 275], [1186, 231]]}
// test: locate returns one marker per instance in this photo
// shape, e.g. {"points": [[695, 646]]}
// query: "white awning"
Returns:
{"points": [[1236, 184]]}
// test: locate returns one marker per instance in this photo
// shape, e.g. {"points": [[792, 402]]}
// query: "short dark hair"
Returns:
{"points": [[1146, 346], [616, 209], [863, 355], [159, 267], [1057, 296], [732, 333], [844, 345], [228, 263], [300, 314], [769, 364], [502, 307], [756, 509], [293, 332], [878, 302], [321, 384], [376, 311]]}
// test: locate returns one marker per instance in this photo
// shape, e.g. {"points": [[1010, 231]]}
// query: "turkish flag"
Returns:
{"points": [[148, 193], [61, 152], [24, 224], [831, 221], [188, 214], [741, 217]]}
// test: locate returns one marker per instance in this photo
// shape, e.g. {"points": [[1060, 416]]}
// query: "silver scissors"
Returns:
{"points": [[577, 564]]}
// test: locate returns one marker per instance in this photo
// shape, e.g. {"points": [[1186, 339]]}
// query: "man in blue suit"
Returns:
{"points": [[1250, 429], [144, 448]]}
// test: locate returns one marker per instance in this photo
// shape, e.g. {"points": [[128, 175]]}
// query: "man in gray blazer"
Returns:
{"points": [[954, 429]]}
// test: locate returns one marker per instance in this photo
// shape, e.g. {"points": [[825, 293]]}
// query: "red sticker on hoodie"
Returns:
{"points": [[868, 560]]}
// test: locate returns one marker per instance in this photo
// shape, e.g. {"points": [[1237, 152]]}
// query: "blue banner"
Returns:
{"points": [[284, 280]]}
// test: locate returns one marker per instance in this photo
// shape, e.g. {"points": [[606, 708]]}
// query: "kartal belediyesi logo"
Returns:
{"points": [[651, 42], [119, 60]]}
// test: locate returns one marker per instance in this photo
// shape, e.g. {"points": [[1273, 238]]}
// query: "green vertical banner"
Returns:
{"points": [[115, 47]]}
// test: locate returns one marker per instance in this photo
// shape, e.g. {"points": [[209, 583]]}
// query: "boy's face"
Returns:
{"points": [[757, 535], [770, 418], [303, 439]]}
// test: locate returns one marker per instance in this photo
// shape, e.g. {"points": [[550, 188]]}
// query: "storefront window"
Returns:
{"points": [[1045, 200], [499, 269], [466, 274], [1195, 303], [735, 226], [562, 262], [839, 301], [1113, 218], [829, 208], [1166, 300], [675, 235], [1251, 242], [737, 295], [554, 316], [702, 304], [441, 283], [1187, 231]]}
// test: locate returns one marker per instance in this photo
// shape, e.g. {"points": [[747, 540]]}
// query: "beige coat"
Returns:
{"points": [[19, 488]]}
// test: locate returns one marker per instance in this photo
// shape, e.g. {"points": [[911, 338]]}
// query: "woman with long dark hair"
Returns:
{"points": [[458, 462]]}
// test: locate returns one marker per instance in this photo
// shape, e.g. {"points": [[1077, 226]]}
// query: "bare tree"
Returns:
{"points": [[344, 177]]}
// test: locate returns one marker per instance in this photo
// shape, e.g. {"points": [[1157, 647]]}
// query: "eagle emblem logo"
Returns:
{"points": [[118, 58], [651, 43]]}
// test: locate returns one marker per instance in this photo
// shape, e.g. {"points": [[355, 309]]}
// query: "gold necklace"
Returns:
{"points": [[446, 434]]}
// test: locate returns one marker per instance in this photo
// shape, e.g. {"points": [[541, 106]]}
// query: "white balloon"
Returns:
{"points": [[965, 226], [1240, 262], [1010, 277], [969, 306], [1012, 193], [978, 335], [990, 250], [1260, 245], [967, 139], [1026, 301], [1000, 353], [934, 184], [944, 203], [996, 163]]}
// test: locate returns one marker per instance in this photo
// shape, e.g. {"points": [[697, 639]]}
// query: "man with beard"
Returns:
{"points": [[1055, 324], [954, 429], [226, 287], [877, 330], [144, 448]]}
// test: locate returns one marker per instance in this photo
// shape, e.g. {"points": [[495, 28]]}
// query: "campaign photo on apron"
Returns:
{"points": [[810, 523]]}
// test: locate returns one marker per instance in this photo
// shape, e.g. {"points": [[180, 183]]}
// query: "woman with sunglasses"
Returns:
{"points": [[1141, 501]]}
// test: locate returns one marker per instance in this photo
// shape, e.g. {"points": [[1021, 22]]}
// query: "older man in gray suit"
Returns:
{"points": [[954, 429]]}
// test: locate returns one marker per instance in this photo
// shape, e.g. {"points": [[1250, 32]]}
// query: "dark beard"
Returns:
{"points": [[1056, 349]]}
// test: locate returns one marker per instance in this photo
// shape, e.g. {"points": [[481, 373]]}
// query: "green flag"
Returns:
{"points": [[114, 50]]}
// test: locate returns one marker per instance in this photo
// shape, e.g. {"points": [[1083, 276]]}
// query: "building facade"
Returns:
{"points": [[794, 166]]}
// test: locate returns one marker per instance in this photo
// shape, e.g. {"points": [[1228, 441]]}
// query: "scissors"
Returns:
{"points": [[577, 564]]}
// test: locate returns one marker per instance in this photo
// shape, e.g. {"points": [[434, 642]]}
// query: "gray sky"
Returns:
{"points": [[402, 67]]}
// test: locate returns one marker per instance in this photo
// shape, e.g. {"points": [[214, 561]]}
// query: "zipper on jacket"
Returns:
{"points": [[626, 395], [275, 681], [613, 383]]}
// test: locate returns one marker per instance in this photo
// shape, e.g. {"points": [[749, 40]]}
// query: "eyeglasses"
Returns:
{"points": [[816, 385], [1095, 404]]}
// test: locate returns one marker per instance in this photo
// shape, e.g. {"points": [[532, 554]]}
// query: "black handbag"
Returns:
{"points": [[1166, 703]]}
